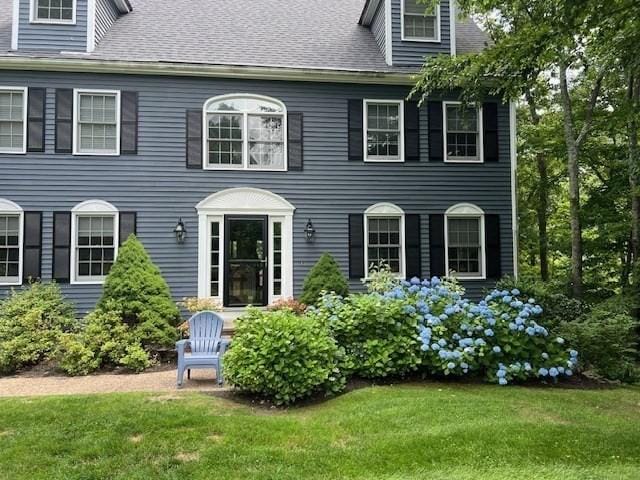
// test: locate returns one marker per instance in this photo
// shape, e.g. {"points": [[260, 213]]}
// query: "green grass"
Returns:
{"points": [[428, 431]]}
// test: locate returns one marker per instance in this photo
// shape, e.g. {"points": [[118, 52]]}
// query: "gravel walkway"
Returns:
{"points": [[163, 381]]}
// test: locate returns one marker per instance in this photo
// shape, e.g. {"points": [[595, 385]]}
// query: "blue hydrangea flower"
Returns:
{"points": [[545, 355], [497, 349], [488, 332], [502, 381], [543, 372], [573, 354], [501, 373], [442, 342], [553, 372], [451, 365]]}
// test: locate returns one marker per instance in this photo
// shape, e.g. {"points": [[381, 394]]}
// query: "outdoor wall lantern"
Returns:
{"points": [[180, 231], [309, 231]]}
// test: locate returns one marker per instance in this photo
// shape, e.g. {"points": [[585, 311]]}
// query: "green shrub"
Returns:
{"points": [[607, 342], [136, 290], [377, 333], [283, 357], [324, 276], [381, 279], [558, 307], [32, 321], [104, 342]]}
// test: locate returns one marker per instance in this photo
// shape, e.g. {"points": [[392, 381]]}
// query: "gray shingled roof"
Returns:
{"points": [[321, 34]]}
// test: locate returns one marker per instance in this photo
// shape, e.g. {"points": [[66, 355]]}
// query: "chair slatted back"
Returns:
{"points": [[205, 331]]}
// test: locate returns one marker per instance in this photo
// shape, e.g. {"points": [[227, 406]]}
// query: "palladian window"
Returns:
{"points": [[245, 132]]}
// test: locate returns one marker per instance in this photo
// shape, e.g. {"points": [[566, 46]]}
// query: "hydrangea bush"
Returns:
{"points": [[498, 337]]}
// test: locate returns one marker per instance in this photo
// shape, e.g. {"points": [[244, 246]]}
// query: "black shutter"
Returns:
{"points": [[436, 141], [129, 123], [32, 247], [411, 132], [61, 246], [356, 135], [437, 245], [492, 242], [35, 119], [64, 120], [128, 225], [295, 131], [412, 241], [194, 139], [490, 133], [356, 246]]}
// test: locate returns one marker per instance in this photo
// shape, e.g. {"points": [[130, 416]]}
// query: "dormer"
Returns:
{"points": [[406, 34], [74, 26]]}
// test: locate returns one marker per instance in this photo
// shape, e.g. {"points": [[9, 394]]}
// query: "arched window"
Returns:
{"points": [[245, 132], [11, 221], [384, 237], [464, 238], [94, 241]]}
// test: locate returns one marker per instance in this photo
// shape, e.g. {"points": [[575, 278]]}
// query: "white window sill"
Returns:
{"points": [[421, 40], [10, 282], [384, 160], [13, 152], [96, 154], [463, 160], [464, 279], [87, 282], [53, 22], [237, 169]]}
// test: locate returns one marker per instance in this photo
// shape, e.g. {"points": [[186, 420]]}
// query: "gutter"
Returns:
{"points": [[208, 71]]}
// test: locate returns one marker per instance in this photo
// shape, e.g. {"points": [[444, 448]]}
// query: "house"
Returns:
{"points": [[270, 132]]}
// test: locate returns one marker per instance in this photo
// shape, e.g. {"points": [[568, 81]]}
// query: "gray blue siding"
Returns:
{"points": [[106, 15], [43, 36], [156, 184], [378, 27], [412, 54]]}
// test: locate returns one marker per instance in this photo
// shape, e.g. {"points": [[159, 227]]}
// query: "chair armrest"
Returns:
{"points": [[181, 346], [224, 345]]}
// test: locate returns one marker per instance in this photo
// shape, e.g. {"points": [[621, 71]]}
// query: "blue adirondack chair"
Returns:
{"points": [[206, 343]]}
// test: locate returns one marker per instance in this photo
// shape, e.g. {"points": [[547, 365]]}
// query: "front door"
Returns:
{"points": [[246, 261]]}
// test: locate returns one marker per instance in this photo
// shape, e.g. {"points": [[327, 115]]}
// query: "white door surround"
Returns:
{"points": [[244, 201]]}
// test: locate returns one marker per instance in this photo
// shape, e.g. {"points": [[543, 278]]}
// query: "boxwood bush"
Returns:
{"points": [[283, 357], [325, 276], [32, 320]]}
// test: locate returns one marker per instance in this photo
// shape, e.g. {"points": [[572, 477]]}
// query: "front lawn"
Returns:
{"points": [[432, 431]]}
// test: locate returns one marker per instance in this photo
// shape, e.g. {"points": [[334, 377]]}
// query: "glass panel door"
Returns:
{"points": [[246, 261]]}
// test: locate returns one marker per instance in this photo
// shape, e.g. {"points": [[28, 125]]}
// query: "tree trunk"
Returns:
{"points": [[542, 208], [634, 97], [542, 211], [574, 186]]}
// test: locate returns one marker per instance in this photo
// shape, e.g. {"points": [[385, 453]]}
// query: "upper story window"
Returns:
{"points": [[384, 237], [417, 25], [13, 121], [245, 132], [53, 11], [462, 133], [94, 239], [97, 122], [464, 238], [11, 218], [384, 130]]}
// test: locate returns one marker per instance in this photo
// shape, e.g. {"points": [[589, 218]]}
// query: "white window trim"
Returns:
{"points": [[365, 123], [466, 210], [438, 36], [245, 132], [76, 106], [480, 158], [7, 207], [33, 17], [244, 201], [25, 94], [385, 210], [87, 209]]}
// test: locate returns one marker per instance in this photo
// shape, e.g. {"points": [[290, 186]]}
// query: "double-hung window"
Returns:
{"points": [[463, 133], [417, 24], [245, 132], [13, 122], [53, 11], [94, 241], [10, 243], [97, 123], [384, 130], [465, 242], [384, 237]]}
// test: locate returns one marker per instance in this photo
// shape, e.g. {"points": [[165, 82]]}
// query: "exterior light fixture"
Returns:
{"points": [[180, 231], [309, 231]]}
